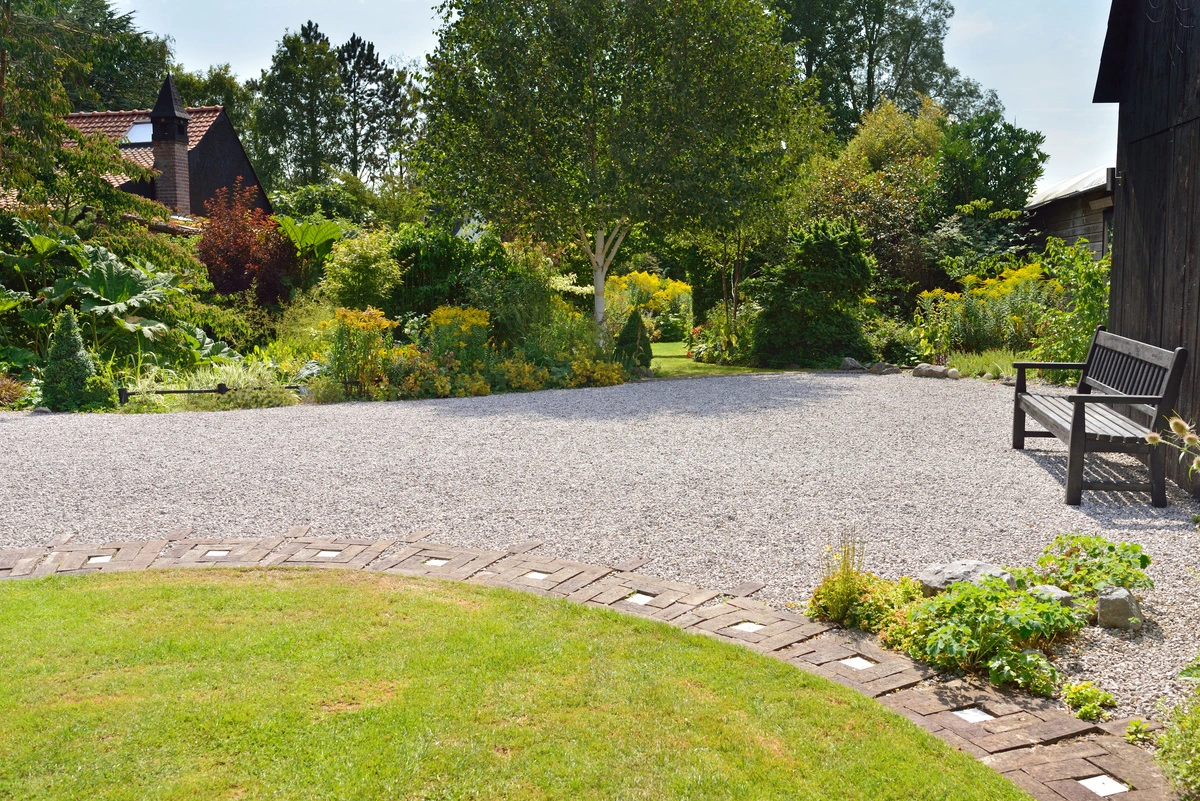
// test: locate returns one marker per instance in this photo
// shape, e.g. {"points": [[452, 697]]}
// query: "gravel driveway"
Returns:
{"points": [[716, 480]]}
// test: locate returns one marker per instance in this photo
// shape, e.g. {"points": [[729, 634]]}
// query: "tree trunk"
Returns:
{"points": [[601, 251]]}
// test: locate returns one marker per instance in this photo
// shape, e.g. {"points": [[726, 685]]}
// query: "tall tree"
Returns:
{"points": [[363, 76], [865, 51], [574, 120], [297, 122], [124, 65], [218, 86]]}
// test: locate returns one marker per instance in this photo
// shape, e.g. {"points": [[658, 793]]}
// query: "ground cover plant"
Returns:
{"points": [[318, 684], [987, 628]]}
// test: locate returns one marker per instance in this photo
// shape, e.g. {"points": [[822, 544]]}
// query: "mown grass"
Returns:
{"points": [[671, 361], [309, 684]]}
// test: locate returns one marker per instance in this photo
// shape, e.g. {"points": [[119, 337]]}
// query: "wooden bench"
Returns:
{"points": [[1140, 380]]}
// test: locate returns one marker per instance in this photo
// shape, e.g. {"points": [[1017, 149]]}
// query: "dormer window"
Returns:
{"points": [[141, 133]]}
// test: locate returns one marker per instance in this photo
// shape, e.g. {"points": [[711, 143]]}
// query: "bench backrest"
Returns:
{"points": [[1120, 366]]}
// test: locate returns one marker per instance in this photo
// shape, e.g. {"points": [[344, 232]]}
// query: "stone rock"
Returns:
{"points": [[41, 410], [852, 364], [989, 377], [936, 578], [953, 373], [930, 371], [1052, 593], [1117, 608], [883, 368]]}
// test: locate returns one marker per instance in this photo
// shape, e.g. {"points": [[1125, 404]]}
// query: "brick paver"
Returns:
{"points": [[1031, 741]]}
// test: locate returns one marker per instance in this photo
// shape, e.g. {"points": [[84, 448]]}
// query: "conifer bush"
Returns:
{"points": [[633, 348], [69, 382]]}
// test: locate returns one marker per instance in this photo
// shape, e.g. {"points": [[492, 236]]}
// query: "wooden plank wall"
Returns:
{"points": [[1070, 219], [1156, 231]]}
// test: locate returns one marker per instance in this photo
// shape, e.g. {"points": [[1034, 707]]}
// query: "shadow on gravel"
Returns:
{"points": [[710, 396], [1132, 509]]}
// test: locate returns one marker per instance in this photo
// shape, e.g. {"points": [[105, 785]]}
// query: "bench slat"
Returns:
{"points": [[1102, 422]]}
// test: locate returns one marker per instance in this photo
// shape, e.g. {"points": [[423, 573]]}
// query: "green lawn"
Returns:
{"points": [[671, 361], [312, 684]]}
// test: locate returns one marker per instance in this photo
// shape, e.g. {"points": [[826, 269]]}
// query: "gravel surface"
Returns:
{"points": [[716, 480]]}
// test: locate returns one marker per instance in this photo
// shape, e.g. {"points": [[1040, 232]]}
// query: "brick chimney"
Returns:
{"points": [[172, 187]]}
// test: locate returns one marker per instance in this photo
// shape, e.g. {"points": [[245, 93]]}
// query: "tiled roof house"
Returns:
{"points": [[195, 151]]}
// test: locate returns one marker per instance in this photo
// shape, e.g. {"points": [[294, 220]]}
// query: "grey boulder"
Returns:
{"points": [[937, 578], [883, 368], [930, 371], [1052, 593], [852, 364], [1117, 608]]}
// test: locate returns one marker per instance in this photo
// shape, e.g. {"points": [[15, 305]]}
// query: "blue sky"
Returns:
{"points": [[1040, 55]]}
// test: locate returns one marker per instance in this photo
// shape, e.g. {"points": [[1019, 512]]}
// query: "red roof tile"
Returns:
{"points": [[116, 124]]}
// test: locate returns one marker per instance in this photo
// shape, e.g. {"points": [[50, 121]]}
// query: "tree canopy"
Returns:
{"points": [[865, 51], [575, 120]]}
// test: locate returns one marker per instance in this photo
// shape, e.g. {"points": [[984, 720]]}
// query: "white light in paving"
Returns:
{"points": [[95, 560], [857, 662], [640, 598], [437, 562], [328, 554], [217, 553], [746, 625], [1104, 786], [537, 575], [974, 715]]}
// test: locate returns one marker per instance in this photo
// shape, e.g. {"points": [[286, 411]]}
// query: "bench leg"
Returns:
{"points": [[1018, 438], [1075, 449], [1157, 462]]}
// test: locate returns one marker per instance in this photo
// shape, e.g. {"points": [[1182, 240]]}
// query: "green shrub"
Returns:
{"points": [[1066, 332], [324, 389], [460, 338], [890, 339], [1084, 564], [722, 339], [1088, 701], [842, 584], [359, 345], [361, 273], [595, 373], [992, 314], [518, 375], [69, 382], [633, 348], [1179, 748], [811, 303], [989, 628]]}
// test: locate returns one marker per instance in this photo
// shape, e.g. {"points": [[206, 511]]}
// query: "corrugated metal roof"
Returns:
{"points": [[1075, 185]]}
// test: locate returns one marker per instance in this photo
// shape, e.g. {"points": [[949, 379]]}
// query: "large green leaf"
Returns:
{"points": [[108, 286], [315, 239]]}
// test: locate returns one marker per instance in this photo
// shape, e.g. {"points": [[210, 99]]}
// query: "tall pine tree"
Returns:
{"points": [[298, 121]]}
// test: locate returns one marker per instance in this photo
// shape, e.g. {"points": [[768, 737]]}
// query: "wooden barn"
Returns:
{"points": [[1079, 207], [1151, 67], [195, 151]]}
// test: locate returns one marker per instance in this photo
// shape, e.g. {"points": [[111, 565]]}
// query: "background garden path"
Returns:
{"points": [[717, 481]]}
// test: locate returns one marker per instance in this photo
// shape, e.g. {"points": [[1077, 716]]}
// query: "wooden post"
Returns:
{"points": [[1018, 434], [1076, 455]]}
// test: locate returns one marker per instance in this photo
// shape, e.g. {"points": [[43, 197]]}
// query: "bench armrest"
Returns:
{"points": [[1099, 398], [1049, 365]]}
